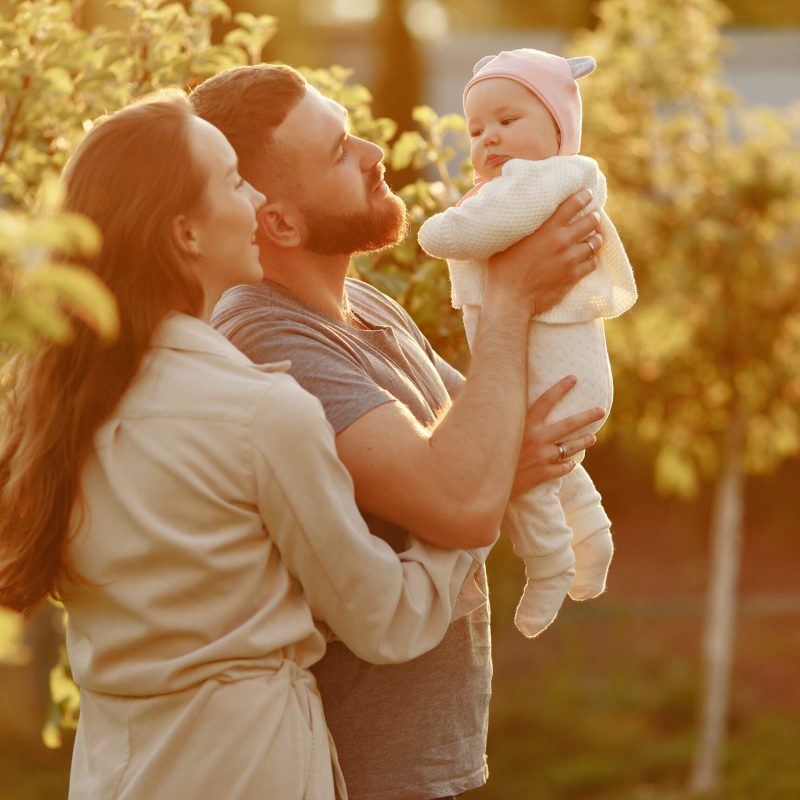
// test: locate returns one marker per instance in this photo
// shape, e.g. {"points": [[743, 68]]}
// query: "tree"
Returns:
{"points": [[706, 198]]}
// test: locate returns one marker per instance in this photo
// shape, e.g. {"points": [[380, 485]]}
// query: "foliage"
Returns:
{"points": [[39, 297], [706, 198], [65, 702], [55, 79], [12, 650]]}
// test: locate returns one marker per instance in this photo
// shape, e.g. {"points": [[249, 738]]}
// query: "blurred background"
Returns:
{"points": [[680, 680]]}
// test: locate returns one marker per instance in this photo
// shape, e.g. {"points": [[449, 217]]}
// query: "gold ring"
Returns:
{"points": [[591, 245], [562, 451]]}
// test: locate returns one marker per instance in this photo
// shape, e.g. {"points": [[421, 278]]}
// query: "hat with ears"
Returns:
{"points": [[551, 78]]}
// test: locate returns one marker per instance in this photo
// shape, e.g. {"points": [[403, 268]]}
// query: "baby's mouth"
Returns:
{"points": [[496, 160]]}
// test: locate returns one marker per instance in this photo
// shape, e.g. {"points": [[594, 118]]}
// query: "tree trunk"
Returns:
{"points": [[720, 617]]}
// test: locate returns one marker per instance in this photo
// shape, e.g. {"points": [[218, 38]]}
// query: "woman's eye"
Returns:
{"points": [[508, 120], [240, 182]]}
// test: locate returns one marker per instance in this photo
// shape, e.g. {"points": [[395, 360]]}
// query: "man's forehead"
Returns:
{"points": [[330, 104], [313, 127]]}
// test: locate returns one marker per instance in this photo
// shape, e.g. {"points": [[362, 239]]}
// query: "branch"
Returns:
{"points": [[12, 121]]}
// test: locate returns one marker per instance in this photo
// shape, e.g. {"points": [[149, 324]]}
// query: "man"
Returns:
{"points": [[429, 453]]}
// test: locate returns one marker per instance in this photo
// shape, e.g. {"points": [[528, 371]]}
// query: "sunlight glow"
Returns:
{"points": [[427, 20], [340, 12]]}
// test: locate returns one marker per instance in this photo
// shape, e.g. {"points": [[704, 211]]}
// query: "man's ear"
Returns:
{"points": [[278, 224], [185, 237]]}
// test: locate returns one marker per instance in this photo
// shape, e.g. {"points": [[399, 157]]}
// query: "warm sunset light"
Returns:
{"points": [[325, 323]]}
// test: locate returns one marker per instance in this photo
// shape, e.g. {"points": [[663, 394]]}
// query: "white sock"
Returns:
{"points": [[592, 560], [541, 599]]}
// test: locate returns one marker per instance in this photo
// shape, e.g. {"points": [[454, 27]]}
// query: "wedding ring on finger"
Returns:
{"points": [[592, 247], [562, 451]]}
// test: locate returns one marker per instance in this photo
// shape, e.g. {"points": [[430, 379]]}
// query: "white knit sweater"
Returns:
{"points": [[515, 204]]}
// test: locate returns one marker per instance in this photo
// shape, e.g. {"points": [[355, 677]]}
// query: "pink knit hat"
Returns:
{"points": [[551, 78]]}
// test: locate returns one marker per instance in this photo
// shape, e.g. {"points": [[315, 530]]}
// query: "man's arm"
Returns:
{"points": [[386, 607], [450, 485]]}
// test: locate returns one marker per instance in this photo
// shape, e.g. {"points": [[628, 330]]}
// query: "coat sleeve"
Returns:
{"points": [[506, 208], [386, 607]]}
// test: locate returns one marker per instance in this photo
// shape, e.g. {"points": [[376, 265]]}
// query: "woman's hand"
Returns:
{"points": [[541, 268], [540, 457]]}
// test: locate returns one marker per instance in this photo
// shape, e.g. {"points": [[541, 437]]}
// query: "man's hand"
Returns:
{"points": [[541, 268], [540, 459]]}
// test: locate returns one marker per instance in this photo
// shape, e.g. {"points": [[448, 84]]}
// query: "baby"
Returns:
{"points": [[523, 109]]}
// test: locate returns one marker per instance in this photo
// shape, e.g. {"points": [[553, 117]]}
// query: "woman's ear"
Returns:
{"points": [[278, 224], [186, 238]]}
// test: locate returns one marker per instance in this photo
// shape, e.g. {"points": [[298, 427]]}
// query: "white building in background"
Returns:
{"points": [[762, 66]]}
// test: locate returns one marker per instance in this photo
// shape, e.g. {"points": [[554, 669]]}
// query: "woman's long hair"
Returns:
{"points": [[132, 174]]}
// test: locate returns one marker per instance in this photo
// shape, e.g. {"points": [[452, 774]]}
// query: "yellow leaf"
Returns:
{"points": [[45, 319], [425, 116], [62, 689], [12, 650], [51, 736], [83, 293]]}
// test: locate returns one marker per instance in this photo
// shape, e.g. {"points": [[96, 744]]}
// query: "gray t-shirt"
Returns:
{"points": [[412, 731]]}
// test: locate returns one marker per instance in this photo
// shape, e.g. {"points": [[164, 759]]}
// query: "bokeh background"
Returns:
{"points": [[693, 117]]}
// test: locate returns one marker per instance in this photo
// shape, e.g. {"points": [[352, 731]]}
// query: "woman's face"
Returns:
{"points": [[224, 223]]}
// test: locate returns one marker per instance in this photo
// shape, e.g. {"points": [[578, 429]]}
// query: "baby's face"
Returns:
{"points": [[506, 121]]}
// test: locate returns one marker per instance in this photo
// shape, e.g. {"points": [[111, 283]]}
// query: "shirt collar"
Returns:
{"points": [[180, 331]]}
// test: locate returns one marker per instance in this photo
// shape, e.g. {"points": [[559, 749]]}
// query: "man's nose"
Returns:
{"points": [[371, 154]]}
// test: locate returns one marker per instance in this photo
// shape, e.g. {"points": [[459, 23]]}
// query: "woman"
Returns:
{"points": [[187, 506]]}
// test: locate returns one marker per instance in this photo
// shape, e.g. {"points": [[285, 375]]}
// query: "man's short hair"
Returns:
{"points": [[247, 104]]}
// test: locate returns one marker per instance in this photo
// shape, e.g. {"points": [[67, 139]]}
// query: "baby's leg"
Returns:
{"points": [[591, 531], [536, 526], [579, 348]]}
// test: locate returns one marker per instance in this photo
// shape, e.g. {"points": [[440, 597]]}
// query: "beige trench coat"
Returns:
{"points": [[217, 523]]}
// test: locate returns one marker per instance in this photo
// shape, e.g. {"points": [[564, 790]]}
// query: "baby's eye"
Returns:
{"points": [[508, 120], [475, 132]]}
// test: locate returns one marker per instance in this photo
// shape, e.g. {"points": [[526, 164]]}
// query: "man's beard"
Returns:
{"points": [[381, 225]]}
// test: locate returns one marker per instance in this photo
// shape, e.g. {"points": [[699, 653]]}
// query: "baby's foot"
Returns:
{"points": [[541, 599], [592, 560]]}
